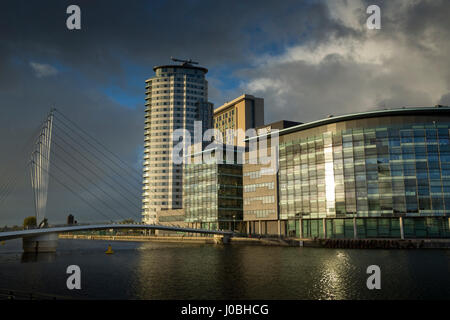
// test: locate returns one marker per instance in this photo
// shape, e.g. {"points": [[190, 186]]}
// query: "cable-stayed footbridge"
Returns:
{"points": [[97, 179]]}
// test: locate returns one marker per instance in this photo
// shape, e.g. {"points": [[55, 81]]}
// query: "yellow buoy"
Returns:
{"points": [[109, 251], [3, 243]]}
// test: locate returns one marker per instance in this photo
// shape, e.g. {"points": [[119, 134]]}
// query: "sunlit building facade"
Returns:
{"points": [[243, 113], [260, 195], [380, 174]]}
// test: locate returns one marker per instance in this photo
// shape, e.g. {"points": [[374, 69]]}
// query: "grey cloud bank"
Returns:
{"points": [[403, 64], [307, 59]]}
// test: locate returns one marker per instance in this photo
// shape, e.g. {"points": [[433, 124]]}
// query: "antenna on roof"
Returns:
{"points": [[183, 62]]}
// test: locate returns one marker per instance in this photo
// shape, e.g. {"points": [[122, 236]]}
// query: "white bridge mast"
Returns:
{"points": [[40, 165]]}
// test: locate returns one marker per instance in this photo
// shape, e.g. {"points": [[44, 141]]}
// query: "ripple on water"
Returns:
{"points": [[148, 270]]}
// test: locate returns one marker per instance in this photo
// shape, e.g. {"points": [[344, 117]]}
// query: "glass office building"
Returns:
{"points": [[212, 195], [369, 175]]}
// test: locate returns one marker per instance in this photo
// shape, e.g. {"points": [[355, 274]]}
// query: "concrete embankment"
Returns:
{"points": [[139, 238], [292, 242], [178, 239], [383, 243], [185, 239]]}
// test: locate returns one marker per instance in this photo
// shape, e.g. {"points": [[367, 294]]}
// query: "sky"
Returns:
{"points": [[307, 59]]}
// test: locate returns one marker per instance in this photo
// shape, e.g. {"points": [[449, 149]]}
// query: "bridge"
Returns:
{"points": [[95, 164], [45, 239], [95, 227]]}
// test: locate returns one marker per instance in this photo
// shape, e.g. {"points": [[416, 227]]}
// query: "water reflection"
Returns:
{"points": [[38, 257], [228, 272], [181, 271], [189, 272], [334, 277]]}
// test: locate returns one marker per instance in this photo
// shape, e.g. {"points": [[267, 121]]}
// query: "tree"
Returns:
{"points": [[29, 222]]}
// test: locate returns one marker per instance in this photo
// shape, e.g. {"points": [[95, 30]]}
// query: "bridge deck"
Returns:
{"points": [[36, 232]]}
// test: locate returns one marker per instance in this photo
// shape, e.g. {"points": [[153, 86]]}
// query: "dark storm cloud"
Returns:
{"points": [[23, 109], [148, 32], [403, 64], [44, 65], [306, 58]]}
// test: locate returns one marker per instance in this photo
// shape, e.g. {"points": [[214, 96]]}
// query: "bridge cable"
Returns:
{"points": [[75, 193], [11, 175], [88, 167], [11, 180], [131, 169], [64, 141], [91, 193], [92, 154], [102, 171], [96, 175]]}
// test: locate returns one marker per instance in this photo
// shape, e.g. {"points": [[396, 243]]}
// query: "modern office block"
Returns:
{"points": [[379, 174], [243, 113], [261, 189], [212, 196]]}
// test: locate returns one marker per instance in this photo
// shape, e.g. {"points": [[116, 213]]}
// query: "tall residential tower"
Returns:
{"points": [[175, 97], [244, 112]]}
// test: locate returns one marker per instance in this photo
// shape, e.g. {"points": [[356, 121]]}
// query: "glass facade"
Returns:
{"points": [[374, 173], [414, 227], [212, 195]]}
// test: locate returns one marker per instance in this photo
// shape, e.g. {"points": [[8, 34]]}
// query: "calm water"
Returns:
{"points": [[179, 271]]}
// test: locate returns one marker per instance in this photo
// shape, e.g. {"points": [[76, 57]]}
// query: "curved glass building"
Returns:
{"points": [[367, 175]]}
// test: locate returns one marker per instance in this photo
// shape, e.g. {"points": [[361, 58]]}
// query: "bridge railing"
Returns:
{"points": [[6, 294], [82, 224]]}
